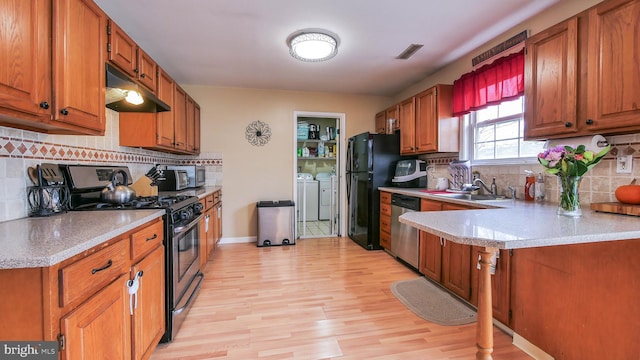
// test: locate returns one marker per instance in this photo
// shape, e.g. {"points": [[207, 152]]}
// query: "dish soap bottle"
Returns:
{"points": [[539, 188], [529, 186]]}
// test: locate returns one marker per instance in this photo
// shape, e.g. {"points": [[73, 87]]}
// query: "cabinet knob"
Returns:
{"points": [[136, 70], [589, 121], [64, 112], [143, 75], [44, 105], [568, 124]]}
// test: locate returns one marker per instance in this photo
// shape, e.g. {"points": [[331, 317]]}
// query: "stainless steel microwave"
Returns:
{"points": [[197, 174]]}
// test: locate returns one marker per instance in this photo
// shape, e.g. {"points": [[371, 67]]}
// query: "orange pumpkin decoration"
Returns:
{"points": [[628, 194]]}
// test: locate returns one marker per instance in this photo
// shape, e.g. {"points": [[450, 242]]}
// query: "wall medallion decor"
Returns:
{"points": [[258, 133]]}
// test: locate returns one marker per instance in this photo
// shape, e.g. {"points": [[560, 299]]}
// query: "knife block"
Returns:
{"points": [[143, 187]]}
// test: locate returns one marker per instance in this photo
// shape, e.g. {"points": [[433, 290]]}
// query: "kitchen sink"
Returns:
{"points": [[472, 197]]}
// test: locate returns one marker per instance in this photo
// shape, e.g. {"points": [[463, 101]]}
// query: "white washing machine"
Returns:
{"points": [[324, 197], [307, 197]]}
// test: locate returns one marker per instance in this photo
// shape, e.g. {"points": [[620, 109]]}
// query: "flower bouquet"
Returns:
{"points": [[570, 165]]}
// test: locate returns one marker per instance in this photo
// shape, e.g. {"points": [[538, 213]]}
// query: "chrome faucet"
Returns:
{"points": [[478, 180]]}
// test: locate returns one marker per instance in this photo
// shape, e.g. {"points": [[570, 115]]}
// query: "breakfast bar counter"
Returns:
{"points": [[517, 227]]}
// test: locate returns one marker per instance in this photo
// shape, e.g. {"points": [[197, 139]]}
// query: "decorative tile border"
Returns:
{"points": [[33, 149]]}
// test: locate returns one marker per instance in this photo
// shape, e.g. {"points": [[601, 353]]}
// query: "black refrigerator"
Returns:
{"points": [[371, 160]]}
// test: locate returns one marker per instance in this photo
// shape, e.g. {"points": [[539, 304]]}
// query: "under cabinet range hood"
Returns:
{"points": [[118, 87]]}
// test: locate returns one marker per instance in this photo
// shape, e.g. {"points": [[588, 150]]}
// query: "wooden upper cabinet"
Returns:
{"points": [[191, 124], [381, 122], [427, 124], [581, 76], [551, 81], [130, 58], [436, 129], [407, 115], [147, 70], [25, 44], [613, 94], [393, 114], [180, 118], [196, 119], [165, 119], [122, 50], [79, 41]]}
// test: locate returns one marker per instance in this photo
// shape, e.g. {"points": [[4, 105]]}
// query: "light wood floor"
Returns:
{"points": [[319, 299]]}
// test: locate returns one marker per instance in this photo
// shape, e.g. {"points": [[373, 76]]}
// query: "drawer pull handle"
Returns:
{"points": [[108, 265], [155, 236]]}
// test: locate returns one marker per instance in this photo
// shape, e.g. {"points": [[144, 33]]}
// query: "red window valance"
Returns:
{"points": [[491, 84]]}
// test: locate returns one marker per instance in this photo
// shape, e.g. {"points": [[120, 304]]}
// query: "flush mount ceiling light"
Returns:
{"points": [[313, 45], [134, 97]]}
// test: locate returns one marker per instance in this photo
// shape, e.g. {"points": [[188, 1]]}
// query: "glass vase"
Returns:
{"points": [[569, 201]]}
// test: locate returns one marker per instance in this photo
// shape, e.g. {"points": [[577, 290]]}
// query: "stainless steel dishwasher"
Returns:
{"points": [[405, 243]]}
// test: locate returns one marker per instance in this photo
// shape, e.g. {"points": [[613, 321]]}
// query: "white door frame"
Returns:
{"points": [[342, 157]]}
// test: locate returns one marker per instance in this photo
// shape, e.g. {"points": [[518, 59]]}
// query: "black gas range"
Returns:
{"points": [[181, 232]]}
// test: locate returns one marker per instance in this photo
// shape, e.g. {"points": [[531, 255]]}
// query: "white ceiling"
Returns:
{"points": [[242, 43]]}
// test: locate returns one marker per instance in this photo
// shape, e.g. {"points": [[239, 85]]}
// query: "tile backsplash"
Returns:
{"points": [[20, 149], [598, 185]]}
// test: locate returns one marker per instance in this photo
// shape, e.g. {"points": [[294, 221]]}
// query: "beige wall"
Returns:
{"points": [[255, 173]]}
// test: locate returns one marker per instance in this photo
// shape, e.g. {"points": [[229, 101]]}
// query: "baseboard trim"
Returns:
{"points": [[238, 240], [530, 349]]}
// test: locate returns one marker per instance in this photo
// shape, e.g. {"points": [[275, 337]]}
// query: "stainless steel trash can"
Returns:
{"points": [[276, 223]]}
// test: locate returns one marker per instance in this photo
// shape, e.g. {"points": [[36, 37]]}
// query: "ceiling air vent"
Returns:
{"points": [[409, 51]]}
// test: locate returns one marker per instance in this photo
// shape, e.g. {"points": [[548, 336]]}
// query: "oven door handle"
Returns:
{"points": [[180, 229], [191, 296]]}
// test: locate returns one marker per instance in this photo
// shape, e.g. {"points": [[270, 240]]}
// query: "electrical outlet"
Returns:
{"points": [[624, 164]]}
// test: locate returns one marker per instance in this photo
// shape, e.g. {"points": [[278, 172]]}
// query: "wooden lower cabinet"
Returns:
{"points": [[210, 226], [500, 284], [148, 316], [101, 325], [84, 302], [385, 220], [454, 266]]}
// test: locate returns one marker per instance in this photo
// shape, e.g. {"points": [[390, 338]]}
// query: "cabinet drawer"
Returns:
{"points": [[429, 205], [385, 240], [146, 239], [385, 198], [385, 209], [209, 201], [385, 223], [86, 276]]}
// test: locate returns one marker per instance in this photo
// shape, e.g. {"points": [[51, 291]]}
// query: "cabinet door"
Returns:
{"points": [[25, 45], [430, 256], [212, 233], [408, 126], [196, 124], [613, 100], [393, 114], [426, 121], [165, 119], [149, 315], [551, 81], [500, 284], [101, 325], [78, 65], [180, 118], [456, 268], [147, 71], [191, 125], [381, 122], [219, 222], [122, 50]]}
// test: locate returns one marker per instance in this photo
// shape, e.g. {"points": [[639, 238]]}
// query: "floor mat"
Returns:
{"points": [[432, 303]]}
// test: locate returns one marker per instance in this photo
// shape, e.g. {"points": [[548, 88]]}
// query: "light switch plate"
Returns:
{"points": [[624, 164]]}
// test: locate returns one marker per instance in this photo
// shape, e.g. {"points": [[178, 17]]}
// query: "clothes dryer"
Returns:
{"points": [[307, 199]]}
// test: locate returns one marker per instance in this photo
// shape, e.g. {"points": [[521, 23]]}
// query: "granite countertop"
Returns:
{"points": [[40, 242], [518, 224]]}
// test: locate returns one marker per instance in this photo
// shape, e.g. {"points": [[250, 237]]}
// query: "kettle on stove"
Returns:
{"points": [[118, 193]]}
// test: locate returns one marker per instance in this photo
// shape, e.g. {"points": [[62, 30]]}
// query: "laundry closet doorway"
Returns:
{"points": [[318, 174]]}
